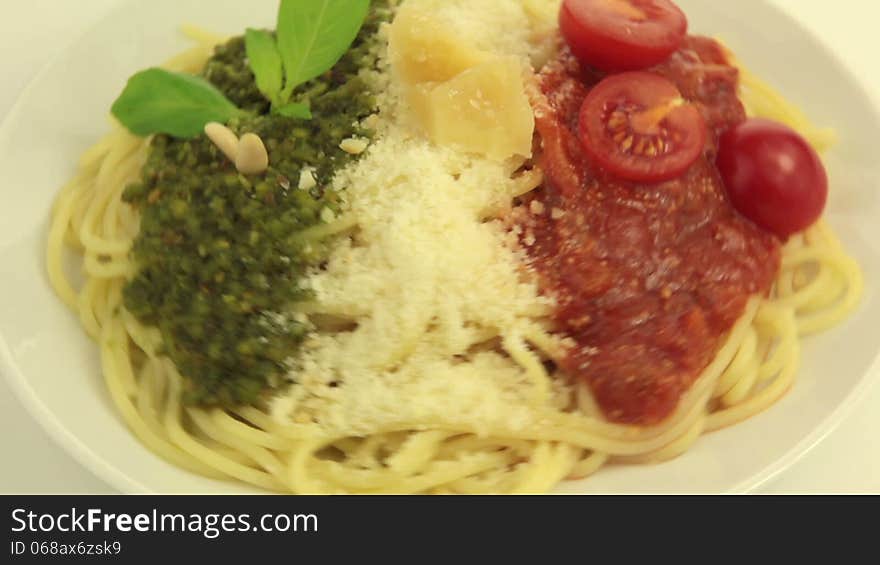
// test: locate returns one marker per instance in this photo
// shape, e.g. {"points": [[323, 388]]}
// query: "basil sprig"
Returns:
{"points": [[159, 101], [314, 34], [265, 61], [311, 37]]}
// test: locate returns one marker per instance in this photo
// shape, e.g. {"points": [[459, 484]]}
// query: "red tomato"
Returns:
{"points": [[637, 127], [622, 35], [773, 176]]}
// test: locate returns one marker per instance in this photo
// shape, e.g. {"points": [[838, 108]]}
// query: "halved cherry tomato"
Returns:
{"points": [[637, 127], [773, 176], [622, 35]]}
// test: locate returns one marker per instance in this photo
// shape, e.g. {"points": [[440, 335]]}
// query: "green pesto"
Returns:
{"points": [[219, 255]]}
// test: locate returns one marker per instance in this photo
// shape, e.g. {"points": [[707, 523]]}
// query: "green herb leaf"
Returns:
{"points": [[314, 34], [159, 101], [300, 110], [265, 61]]}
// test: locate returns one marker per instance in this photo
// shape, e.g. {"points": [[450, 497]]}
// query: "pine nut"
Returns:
{"points": [[252, 157], [223, 138]]}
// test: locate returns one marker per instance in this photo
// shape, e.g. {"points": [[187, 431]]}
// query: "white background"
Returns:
{"points": [[32, 31]]}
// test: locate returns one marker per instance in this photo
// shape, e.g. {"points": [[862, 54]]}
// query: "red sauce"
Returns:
{"points": [[648, 278]]}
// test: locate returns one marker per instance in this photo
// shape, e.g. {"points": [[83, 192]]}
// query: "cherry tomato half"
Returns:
{"points": [[773, 176], [622, 35], [637, 127]]}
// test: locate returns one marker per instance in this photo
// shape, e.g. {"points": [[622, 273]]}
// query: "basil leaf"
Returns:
{"points": [[314, 34], [265, 61], [159, 101], [300, 110]]}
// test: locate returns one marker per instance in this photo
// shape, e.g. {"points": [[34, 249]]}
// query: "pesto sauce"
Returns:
{"points": [[218, 253]]}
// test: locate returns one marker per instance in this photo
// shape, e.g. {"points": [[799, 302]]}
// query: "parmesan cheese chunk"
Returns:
{"points": [[354, 146], [415, 40], [434, 40], [461, 65], [483, 110]]}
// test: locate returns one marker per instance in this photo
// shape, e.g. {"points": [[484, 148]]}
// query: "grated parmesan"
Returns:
{"points": [[425, 285], [428, 281]]}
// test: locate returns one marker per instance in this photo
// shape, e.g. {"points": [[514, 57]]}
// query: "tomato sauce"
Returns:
{"points": [[649, 278]]}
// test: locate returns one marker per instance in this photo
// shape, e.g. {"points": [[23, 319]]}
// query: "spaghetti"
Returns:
{"points": [[817, 287]]}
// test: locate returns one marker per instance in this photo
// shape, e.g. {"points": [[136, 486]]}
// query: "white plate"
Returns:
{"points": [[54, 368]]}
